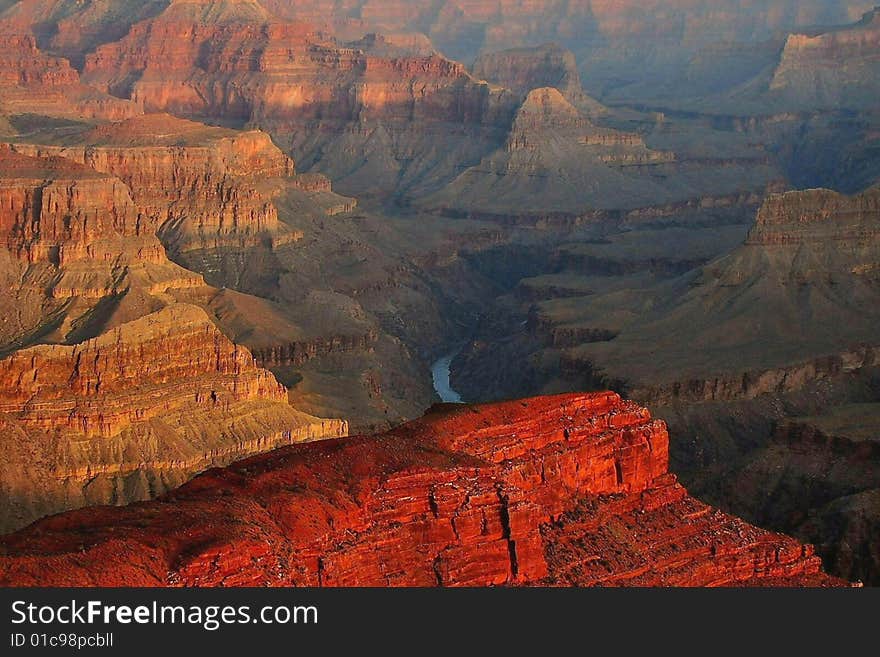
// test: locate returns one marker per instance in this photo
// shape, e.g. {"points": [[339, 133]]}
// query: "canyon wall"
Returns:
{"points": [[627, 44], [810, 261], [569, 490], [749, 355], [276, 72], [74, 239], [197, 186], [134, 413], [33, 82], [834, 69]]}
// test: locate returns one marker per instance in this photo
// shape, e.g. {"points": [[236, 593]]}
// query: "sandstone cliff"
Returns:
{"points": [[71, 28], [275, 72], [134, 413], [367, 105], [570, 490], [74, 239], [34, 83], [198, 187], [731, 351]]}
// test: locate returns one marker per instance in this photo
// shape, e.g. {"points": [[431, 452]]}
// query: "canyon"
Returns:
{"points": [[231, 226], [711, 349]]}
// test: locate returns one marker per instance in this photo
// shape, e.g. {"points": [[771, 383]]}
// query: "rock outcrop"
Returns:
{"points": [[135, 412], [833, 69], [34, 83], [55, 211], [72, 28], [810, 261], [198, 187], [557, 161], [368, 104], [569, 490], [525, 69], [733, 353], [272, 71], [72, 237]]}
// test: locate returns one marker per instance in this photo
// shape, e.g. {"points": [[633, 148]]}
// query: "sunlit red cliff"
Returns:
{"points": [[569, 490]]}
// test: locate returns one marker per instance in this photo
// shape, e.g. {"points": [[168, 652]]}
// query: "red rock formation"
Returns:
{"points": [[32, 82], [76, 232], [198, 186], [232, 60], [568, 490], [55, 210], [25, 65], [156, 400], [89, 389], [71, 28]]}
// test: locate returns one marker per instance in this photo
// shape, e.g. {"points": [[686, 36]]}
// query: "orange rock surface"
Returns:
{"points": [[75, 232], [567, 490], [32, 82], [134, 413], [237, 61], [197, 185]]}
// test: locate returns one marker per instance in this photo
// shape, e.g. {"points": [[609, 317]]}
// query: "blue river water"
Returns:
{"points": [[440, 373]]}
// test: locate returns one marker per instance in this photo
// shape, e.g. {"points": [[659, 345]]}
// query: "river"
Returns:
{"points": [[440, 373]]}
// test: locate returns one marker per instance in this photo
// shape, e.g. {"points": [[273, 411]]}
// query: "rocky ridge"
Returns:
{"points": [[570, 490], [836, 68], [33, 82], [135, 412], [194, 184]]}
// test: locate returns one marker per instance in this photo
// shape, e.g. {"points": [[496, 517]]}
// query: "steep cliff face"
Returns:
{"points": [[802, 461], [75, 245], [570, 490], [363, 108], [197, 186], [525, 69], [135, 412], [371, 112], [712, 350], [810, 261], [71, 28], [160, 394], [55, 211], [73, 240], [834, 69], [33, 82], [230, 59], [817, 479]]}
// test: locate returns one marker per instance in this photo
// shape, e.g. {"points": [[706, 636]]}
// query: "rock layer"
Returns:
{"points": [[32, 82], [74, 239], [197, 186], [833, 69], [130, 414], [569, 490], [811, 261]]}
